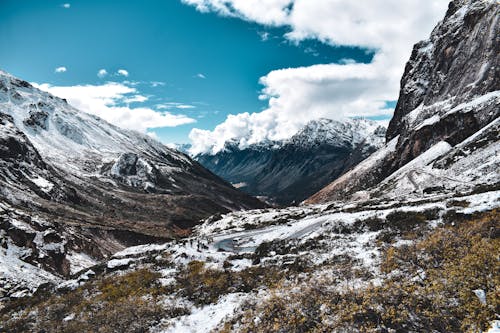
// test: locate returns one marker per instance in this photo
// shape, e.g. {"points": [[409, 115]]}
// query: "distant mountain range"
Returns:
{"points": [[291, 170]]}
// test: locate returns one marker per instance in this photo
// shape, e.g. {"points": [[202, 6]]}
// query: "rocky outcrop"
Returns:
{"points": [[449, 91], [459, 62]]}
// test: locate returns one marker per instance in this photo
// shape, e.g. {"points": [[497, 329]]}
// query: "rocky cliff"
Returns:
{"points": [[450, 90]]}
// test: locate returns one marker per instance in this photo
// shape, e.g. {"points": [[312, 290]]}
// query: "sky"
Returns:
{"points": [[206, 71]]}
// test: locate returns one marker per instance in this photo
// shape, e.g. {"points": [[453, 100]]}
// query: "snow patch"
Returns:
{"points": [[80, 261], [42, 183], [206, 318]]}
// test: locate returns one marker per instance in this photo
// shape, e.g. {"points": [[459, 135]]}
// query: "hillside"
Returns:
{"points": [[75, 189]]}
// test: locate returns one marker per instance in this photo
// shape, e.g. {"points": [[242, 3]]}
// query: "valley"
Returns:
{"points": [[107, 230]]}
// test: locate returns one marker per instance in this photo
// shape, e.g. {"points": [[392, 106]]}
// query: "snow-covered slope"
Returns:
{"points": [[237, 262], [291, 170], [95, 188], [343, 133]]}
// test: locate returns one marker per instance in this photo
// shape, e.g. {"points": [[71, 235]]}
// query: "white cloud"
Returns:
{"points": [[264, 35], [66, 5], [106, 101], [297, 95], [61, 69], [201, 76], [155, 84], [347, 61], [135, 99], [185, 106], [153, 135], [122, 72], [270, 12], [174, 105], [102, 73]]}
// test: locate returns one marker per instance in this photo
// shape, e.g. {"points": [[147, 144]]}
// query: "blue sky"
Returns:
{"points": [[208, 71], [155, 41]]}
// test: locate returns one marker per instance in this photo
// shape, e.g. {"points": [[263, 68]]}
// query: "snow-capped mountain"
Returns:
{"points": [[292, 169], [411, 247], [444, 133], [74, 189]]}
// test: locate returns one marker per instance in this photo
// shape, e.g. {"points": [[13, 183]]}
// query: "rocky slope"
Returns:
{"points": [[291, 170], [74, 189], [450, 90]]}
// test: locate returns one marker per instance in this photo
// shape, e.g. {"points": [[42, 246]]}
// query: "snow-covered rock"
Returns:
{"points": [[450, 92]]}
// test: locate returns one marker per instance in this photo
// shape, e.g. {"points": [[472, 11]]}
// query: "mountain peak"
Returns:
{"points": [[350, 132], [292, 169]]}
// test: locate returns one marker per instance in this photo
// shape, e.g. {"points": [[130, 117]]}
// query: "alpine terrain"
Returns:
{"points": [[75, 189], [405, 241], [291, 170]]}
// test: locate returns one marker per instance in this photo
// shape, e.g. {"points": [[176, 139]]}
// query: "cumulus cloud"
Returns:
{"points": [[122, 72], [102, 73], [61, 69], [107, 101], [298, 95], [269, 12]]}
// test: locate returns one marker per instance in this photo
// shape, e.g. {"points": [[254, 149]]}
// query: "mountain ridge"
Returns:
{"points": [[73, 186], [290, 170]]}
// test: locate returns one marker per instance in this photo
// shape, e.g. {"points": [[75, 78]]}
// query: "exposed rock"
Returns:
{"points": [[450, 90], [459, 61], [37, 119]]}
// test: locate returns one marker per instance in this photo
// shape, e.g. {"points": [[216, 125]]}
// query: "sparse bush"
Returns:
{"points": [[429, 286], [458, 203], [405, 221], [126, 303], [204, 285], [370, 224]]}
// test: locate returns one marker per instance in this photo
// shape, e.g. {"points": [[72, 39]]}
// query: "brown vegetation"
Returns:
{"points": [[428, 286]]}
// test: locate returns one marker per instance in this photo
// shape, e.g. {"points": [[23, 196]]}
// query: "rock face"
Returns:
{"points": [[458, 63], [75, 189], [290, 171], [450, 90]]}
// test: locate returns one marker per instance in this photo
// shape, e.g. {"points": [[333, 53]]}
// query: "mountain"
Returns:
{"points": [[410, 248], [73, 186], [444, 133], [291, 170]]}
